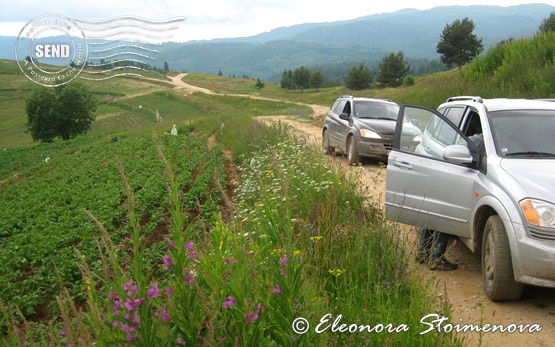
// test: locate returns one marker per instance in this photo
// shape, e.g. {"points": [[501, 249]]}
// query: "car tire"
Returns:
{"points": [[497, 267], [326, 144], [352, 154]]}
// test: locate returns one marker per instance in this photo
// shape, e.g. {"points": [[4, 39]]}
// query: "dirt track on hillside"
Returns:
{"points": [[461, 288]]}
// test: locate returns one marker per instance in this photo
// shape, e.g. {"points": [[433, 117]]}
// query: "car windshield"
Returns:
{"points": [[376, 110], [524, 133]]}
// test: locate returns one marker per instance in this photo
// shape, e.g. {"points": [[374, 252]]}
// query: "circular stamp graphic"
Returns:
{"points": [[51, 50]]}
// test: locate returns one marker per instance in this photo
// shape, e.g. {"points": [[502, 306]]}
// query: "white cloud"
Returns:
{"points": [[207, 19]]}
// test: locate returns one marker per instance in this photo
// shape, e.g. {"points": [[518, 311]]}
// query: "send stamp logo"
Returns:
{"points": [[53, 49]]}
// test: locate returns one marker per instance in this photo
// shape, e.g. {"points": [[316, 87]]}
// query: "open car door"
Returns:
{"points": [[431, 176]]}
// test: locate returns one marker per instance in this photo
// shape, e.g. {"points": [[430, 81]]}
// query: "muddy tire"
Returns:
{"points": [[326, 143], [352, 154], [497, 267]]}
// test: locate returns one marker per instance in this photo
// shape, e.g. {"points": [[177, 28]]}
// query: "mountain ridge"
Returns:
{"points": [[344, 43]]}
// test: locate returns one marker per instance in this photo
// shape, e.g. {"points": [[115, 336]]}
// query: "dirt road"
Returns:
{"points": [[461, 288]]}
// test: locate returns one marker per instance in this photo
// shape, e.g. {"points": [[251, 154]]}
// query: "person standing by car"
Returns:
{"points": [[431, 248]]}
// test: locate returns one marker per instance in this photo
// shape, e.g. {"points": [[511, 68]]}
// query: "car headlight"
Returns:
{"points": [[539, 213], [369, 134]]}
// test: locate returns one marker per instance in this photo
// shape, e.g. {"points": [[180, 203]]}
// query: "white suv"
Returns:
{"points": [[484, 171]]}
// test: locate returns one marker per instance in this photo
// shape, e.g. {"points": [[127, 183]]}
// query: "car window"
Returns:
{"points": [[339, 106], [347, 108], [437, 135], [455, 114], [524, 133], [444, 133], [473, 125], [376, 110]]}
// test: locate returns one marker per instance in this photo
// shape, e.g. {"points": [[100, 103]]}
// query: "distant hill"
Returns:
{"points": [[344, 43]]}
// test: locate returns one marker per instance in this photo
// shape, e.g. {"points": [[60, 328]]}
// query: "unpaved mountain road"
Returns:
{"points": [[461, 288]]}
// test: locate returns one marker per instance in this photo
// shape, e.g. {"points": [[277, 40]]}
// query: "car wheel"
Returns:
{"points": [[326, 143], [352, 154], [497, 266]]}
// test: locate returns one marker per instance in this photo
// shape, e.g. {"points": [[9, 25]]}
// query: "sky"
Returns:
{"points": [[210, 19]]}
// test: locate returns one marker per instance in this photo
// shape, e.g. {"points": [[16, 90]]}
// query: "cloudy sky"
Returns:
{"points": [[209, 19]]}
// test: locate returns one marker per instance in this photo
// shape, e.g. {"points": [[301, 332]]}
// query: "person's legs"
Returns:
{"points": [[424, 245], [439, 246]]}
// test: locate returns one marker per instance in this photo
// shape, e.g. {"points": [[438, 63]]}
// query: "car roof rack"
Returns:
{"points": [[461, 98]]}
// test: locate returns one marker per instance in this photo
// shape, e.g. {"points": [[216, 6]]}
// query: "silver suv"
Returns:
{"points": [[362, 127], [484, 170]]}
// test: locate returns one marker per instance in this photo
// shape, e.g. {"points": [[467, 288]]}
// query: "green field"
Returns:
{"points": [[217, 236]]}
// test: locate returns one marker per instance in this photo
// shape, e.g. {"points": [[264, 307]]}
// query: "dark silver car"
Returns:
{"points": [[363, 127], [484, 171]]}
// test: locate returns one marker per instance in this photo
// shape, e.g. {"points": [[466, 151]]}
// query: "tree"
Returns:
{"points": [[259, 84], [64, 112], [392, 69], [287, 80], [301, 77], [458, 44], [316, 79], [548, 24], [359, 77], [166, 67]]}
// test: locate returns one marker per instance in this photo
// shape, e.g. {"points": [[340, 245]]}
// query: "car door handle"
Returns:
{"points": [[403, 165]]}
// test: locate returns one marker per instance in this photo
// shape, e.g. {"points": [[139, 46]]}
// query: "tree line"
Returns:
{"points": [[458, 45]]}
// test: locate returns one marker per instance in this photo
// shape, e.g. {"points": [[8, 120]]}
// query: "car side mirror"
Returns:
{"points": [[457, 154], [345, 116]]}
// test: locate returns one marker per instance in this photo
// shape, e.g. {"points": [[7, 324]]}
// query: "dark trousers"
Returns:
{"points": [[433, 243]]}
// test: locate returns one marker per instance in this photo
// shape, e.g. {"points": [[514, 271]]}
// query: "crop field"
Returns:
{"points": [[222, 235]]}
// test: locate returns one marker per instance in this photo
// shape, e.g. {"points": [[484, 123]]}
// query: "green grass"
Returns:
{"points": [[293, 224]]}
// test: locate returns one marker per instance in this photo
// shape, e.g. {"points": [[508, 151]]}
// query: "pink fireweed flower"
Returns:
{"points": [[164, 314], [169, 291], [63, 332], [113, 296], [131, 288], [127, 328], [228, 302], [167, 261], [192, 255], [130, 338], [127, 316], [253, 315], [283, 261], [189, 246], [277, 289], [153, 292], [129, 304], [115, 324], [189, 279], [171, 245], [282, 272]]}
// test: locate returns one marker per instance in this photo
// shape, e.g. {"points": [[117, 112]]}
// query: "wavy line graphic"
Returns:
{"points": [[123, 46], [131, 67], [116, 62], [122, 36], [124, 53], [124, 39], [112, 76], [108, 20]]}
